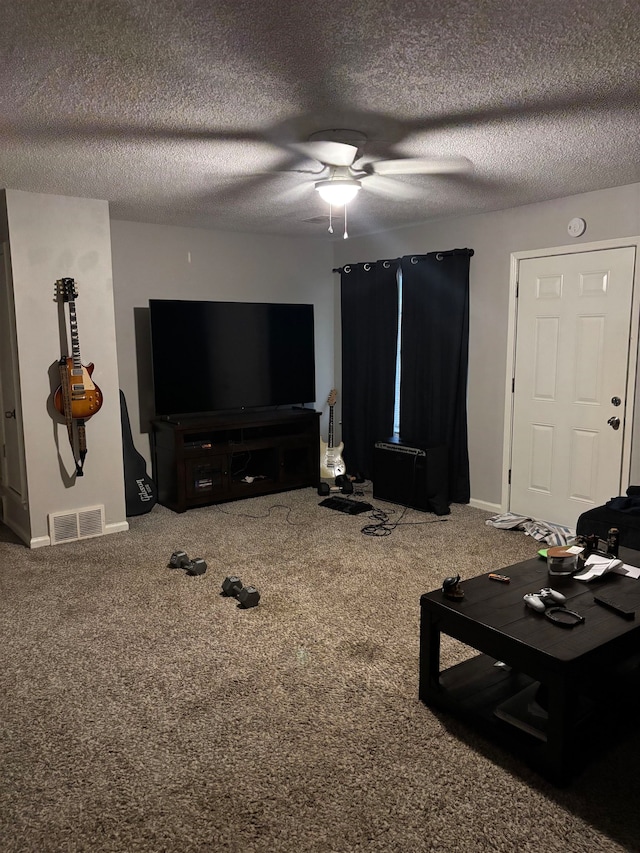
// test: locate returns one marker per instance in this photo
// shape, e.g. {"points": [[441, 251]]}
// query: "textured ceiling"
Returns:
{"points": [[182, 111]]}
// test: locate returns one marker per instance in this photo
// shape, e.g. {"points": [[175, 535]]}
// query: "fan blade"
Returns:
{"points": [[329, 153], [421, 166], [387, 187]]}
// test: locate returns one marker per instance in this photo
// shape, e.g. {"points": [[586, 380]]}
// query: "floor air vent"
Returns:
{"points": [[76, 524]]}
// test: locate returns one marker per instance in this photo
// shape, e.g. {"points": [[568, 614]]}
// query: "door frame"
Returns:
{"points": [[8, 325], [630, 404]]}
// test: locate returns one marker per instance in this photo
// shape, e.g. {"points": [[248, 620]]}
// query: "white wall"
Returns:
{"points": [[53, 237], [164, 262], [610, 214]]}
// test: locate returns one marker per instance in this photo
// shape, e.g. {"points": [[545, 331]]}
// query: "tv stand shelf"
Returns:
{"points": [[207, 459]]}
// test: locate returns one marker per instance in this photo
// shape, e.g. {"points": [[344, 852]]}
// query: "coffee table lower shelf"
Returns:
{"points": [[501, 705]]}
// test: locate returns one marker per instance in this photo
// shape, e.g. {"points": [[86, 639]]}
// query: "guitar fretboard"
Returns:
{"points": [[75, 341], [78, 386], [330, 426]]}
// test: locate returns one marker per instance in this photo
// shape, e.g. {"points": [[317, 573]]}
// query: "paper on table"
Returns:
{"points": [[628, 571], [596, 566]]}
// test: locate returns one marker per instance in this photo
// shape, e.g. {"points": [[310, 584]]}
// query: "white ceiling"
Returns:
{"points": [[179, 111]]}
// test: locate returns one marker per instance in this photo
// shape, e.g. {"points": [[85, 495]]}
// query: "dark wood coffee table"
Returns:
{"points": [[542, 690]]}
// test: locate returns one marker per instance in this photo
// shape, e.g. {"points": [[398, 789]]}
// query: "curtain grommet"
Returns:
{"points": [[439, 256], [367, 267], [346, 269], [414, 260]]}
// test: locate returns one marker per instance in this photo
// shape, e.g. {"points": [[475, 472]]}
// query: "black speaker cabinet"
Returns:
{"points": [[411, 476]]}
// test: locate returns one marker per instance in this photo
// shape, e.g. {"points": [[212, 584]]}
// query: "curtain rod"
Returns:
{"points": [[439, 257], [368, 264]]}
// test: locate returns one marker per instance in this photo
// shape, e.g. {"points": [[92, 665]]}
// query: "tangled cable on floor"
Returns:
{"points": [[385, 526]]}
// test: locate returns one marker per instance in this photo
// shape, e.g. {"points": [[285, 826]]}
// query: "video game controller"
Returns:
{"points": [[547, 597]]}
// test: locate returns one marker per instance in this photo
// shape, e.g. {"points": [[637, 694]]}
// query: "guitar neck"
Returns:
{"points": [[330, 426], [75, 340]]}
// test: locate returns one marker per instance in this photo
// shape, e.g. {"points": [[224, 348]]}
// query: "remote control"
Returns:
{"points": [[620, 608]]}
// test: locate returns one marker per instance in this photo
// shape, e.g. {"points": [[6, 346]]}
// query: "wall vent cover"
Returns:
{"points": [[76, 524]]}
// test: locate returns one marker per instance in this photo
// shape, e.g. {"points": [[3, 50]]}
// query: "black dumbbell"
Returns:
{"points": [[180, 560], [343, 485], [196, 567], [247, 596]]}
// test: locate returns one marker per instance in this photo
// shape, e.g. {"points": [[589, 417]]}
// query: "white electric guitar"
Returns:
{"points": [[331, 464]]}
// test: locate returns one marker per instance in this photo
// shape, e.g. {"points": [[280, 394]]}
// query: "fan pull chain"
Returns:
{"points": [[330, 222], [345, 236]]}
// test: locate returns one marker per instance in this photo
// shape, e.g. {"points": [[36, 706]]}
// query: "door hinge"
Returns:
{"points": [[509, 477]]}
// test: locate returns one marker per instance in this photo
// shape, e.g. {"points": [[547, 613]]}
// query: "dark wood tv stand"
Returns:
{"points": [[221, 457]]}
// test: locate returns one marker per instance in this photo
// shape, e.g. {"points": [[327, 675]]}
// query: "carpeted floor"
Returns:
{"points": [[142, 711]]}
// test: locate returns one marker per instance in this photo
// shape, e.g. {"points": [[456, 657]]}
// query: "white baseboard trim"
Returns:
{"points": [[489, 507], [119, 527]]}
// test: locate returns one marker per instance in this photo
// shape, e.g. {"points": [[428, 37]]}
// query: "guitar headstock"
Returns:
{"points": [[333, 396], [65, 290]]}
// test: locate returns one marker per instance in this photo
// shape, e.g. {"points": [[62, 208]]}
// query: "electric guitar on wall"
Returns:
{"points": [[331, 464], [78, 397]]}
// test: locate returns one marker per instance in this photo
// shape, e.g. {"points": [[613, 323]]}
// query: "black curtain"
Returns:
{"points": [[369, 302], [434, 360]]}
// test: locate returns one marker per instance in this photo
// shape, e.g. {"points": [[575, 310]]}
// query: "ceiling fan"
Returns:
{"points": [[345, 169]]}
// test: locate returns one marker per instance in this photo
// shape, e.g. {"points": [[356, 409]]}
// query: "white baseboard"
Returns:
{"points": [[489, 507], [119, 527]]}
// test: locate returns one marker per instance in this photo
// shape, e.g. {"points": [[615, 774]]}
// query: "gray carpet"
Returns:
{"points": [[142, 711]]}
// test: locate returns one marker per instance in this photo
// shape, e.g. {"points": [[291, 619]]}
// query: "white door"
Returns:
{"points": [[571, 362], [12, 461]]}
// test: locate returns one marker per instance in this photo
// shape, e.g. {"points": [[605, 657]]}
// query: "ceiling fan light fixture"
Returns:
{"points": [[338, 191]]}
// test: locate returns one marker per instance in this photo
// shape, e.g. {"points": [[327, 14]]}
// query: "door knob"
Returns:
{"points": [[10, 414], [616, 401], [614, 423]]}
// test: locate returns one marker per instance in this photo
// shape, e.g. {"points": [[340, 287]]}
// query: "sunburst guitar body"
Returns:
{"points": [[84, 396]]}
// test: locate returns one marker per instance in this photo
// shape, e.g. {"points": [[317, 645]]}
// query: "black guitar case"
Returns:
{"points": [[140, 491]]}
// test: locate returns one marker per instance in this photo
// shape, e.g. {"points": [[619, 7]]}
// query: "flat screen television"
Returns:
{"points": [[227, 356]]}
